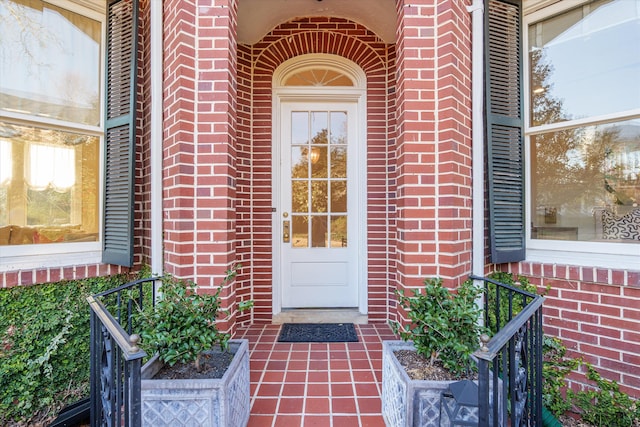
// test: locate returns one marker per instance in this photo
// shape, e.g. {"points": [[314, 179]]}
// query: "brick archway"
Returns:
{"points": [[256, 65]]}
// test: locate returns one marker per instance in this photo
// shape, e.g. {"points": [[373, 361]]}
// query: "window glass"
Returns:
{"points": [[318, 77], [585, 178], [50, 125], [583, 174], [585, 62], [49, 62], [49, 186]]}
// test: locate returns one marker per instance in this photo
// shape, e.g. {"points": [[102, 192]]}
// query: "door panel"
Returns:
{"points": [[319, 257]]}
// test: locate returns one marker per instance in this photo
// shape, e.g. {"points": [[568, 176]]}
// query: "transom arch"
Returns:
{"points": [[319, 70]]}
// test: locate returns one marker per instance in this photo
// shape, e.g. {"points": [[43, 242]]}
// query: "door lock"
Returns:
{"points": [[285, 231]]}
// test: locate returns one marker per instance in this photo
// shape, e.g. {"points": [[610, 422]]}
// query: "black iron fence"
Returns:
{"points": [[116, 359], [510, 362]]}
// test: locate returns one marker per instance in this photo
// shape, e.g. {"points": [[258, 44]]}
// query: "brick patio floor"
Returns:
{"points": [[316, 384]]}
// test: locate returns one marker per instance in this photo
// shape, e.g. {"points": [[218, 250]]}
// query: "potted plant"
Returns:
{"points": [[442, 332], [198, 375]]}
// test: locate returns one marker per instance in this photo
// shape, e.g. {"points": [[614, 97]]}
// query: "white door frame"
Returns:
{"points": [[356, 94]]}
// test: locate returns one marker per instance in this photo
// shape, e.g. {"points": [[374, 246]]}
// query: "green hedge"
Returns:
{"points": [[44, 347]]}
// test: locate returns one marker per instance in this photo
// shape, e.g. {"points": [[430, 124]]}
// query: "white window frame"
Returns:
{"points": [[53, 255], [581, 253]]}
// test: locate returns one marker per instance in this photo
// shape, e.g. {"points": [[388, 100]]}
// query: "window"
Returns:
{"points": [[583, 127], [50, 128]]}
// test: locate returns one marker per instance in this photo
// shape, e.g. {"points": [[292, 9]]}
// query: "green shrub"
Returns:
{"points": [[556, 367], [182, 324], [443, 325], [497, 320], [603, 404], [44, 346]]}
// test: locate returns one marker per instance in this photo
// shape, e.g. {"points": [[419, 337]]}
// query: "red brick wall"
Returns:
{"points": [[596, 313], [34, 276], [245, 252], [179, 137]]}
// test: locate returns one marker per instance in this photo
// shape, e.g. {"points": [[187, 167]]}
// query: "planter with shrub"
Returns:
{"points": [[198, 375], [443, 331]]}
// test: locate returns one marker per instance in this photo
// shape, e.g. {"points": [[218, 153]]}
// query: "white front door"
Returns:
{"points": [[318, 210]]}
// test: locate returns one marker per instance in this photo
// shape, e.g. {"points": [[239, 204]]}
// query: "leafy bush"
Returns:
{"points": [[600, 404], [556, 367], [44, 346], [496, 320], [183, 323], [443, 325], [604, 404]]}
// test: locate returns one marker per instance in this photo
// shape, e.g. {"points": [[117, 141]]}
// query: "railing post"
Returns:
{"points": [[135, 386], [93, 384], [483, 385], [116, 359], [510, 363]]}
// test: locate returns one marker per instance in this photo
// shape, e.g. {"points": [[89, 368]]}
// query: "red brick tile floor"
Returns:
{"points": [[316, 384]]}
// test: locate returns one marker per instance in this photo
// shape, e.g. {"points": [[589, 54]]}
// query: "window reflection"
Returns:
{"points": [[49, 187], [585, 177], [300, 231], [585, 62], [318, 172], [318, 231], [318, 77], [578, 174], [50, 62], [50, 166]]}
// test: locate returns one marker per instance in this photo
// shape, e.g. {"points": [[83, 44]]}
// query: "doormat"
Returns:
{"points": [[318, 332]]}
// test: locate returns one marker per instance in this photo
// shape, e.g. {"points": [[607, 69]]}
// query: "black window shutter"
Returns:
{"points": [[504, 129], [120, 130]]}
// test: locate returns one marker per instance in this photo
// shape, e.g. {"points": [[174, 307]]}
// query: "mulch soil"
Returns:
{"points": [[213, 365]]}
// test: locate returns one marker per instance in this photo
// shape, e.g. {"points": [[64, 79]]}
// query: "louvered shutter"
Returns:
{"points": [[120, 116], [504, 127]]}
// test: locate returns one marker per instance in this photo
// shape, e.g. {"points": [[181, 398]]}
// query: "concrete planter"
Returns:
{"points": [[222, 402], [407, 402]]}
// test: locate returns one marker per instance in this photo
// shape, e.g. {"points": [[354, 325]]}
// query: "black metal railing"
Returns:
{"points": [[510, 362], [116, 359]]}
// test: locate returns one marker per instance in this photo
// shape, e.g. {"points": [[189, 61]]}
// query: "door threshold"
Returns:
{"points": [[320, 315]]}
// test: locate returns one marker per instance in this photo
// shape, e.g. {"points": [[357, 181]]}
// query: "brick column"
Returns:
{"points": [[199, 141], [433, 141]]}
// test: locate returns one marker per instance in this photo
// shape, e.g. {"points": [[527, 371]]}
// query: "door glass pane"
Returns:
{"points": [[319, 196], [299, 197], [338, 196], [319, 161], [338, 231], [338, 162], [338, 127], [319, 231], [319, 126], [299, 231], [299, 162], [299, 127]]}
